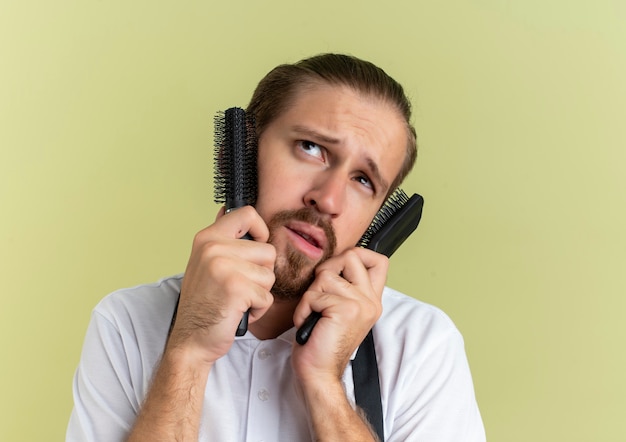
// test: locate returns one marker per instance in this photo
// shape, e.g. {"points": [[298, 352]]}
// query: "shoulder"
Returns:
{"points": [[123, 344], [405, 314], [145, 308], [409, 327], [425, 379], [152, 296]]}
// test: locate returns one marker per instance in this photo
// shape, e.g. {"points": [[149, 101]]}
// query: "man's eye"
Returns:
{"points": [[310, 148], [362, 179]]}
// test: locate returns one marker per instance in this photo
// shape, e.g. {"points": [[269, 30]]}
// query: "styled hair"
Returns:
{"points": [[276, 91]]}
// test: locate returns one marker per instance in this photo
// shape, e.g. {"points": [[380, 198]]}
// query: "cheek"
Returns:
{"points": [[350, 232], [277, 189]]}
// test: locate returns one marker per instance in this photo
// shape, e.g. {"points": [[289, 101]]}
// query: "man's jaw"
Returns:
{"points": [[294, 273], [303, 240]]}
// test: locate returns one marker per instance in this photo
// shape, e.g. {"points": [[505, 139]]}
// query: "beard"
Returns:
{"points": [[294, 271]]}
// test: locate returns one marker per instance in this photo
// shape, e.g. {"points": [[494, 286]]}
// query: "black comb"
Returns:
{"points": [[235, 167], [235, 177], [397, 218]]}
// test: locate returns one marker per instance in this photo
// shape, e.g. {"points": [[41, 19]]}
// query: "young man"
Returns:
{"points": [[334, 141]]}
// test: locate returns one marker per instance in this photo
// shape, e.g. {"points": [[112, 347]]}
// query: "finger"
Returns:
{"points": [[205, 252], [363, 268], [220, 213], [236, 223], [375, 264], [305, 308], [260, 302], [235, 275], [237, 285], [249, 291]]}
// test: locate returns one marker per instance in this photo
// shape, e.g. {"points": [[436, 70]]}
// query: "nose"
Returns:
{"points": [[328, 193]]}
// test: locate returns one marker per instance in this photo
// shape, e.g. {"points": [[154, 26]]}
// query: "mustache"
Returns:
{"points": [[309, 216]]}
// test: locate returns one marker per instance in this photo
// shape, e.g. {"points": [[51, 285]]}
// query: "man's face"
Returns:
{"points": [[325, 166]]}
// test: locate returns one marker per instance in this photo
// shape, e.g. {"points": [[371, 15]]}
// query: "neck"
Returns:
{"points": [[277, 320]]}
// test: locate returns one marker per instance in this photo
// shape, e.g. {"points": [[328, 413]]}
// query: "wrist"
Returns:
{"points": [[321, 391], [333, 416], [183, 355]]}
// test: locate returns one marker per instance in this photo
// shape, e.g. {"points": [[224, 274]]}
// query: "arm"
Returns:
{"points": [[174, 403], [347, 291], [332, 416], [225, 277]]}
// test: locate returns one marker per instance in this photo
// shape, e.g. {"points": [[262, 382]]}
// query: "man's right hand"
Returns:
{"points": [[225, 277]]}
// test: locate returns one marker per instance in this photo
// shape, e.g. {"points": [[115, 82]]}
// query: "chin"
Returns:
{"points": [[294, 274]]}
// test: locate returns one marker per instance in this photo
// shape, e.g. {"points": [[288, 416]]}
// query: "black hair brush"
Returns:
{"points": [[235, 167], [397, 218]]}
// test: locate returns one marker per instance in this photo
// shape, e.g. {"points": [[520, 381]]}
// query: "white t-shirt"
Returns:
{"points": [[251, 393]]}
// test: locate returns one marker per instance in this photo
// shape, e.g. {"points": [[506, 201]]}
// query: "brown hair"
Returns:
{"points": [[276, 90]]}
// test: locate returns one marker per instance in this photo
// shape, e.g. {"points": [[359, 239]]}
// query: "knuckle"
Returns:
{"points": [[248, 211], [269, 253], [199, 239], [268, 298], [384, 263], [324, 274], [377, 311], [351, 254], [249, 214], [374, 310], [307, 297], [210, 248], [268, 277], [219, 266], [231, 283]]}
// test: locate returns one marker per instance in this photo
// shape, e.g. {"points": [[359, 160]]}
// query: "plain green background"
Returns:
{"points": [[106, 114]]}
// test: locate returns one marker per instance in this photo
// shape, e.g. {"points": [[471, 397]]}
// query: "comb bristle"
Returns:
{"points": [[251, 168], [221, 157], [392, 204], [235, 155]]}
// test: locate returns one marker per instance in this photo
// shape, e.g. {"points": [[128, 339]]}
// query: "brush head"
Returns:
{"points": [[397, 218], [235, 155]]}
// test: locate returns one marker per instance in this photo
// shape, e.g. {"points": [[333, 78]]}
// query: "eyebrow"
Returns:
{"points": [[315, 134], [377, 176], [318, 136]]}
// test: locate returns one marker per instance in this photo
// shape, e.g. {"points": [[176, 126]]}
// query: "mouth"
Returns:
{"points": [[308, 239]]}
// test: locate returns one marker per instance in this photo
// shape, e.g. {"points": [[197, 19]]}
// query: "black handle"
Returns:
{"points": [[242, 328], [305, 331]]}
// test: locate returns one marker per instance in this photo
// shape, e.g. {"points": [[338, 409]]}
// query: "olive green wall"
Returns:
{"points": [[105, 175]]}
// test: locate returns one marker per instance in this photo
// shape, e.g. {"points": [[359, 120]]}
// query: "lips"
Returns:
{"points": [[309, 239]]}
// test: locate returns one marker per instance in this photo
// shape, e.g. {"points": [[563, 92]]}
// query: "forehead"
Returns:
{"points": [[356, 122]]}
